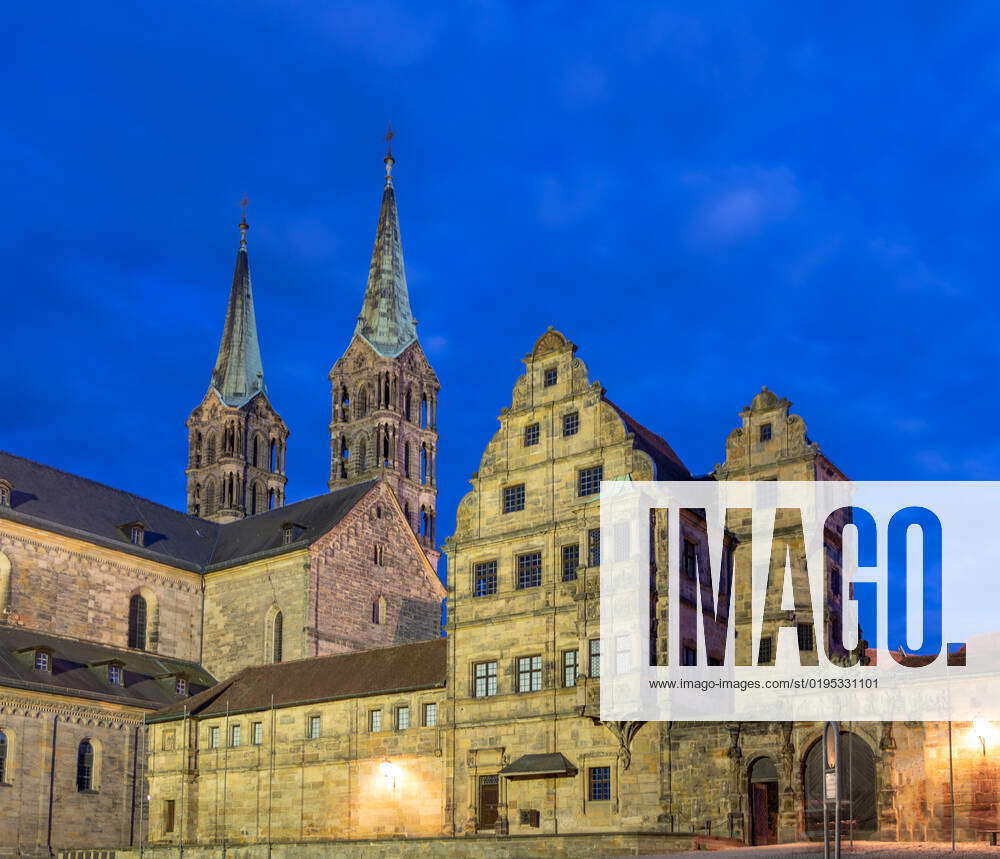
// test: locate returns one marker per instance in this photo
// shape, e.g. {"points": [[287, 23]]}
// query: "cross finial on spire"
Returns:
{"points": [[244, 226], [389, 160]]}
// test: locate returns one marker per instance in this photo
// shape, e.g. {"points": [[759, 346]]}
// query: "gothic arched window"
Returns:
{"points": [[3, 758], [361, 403], [277, 638], [197, 450], [423, 463], [407, 405], [406, 459], [378, 611], [137, 622], [273, 456], [271, 498], [362, 455], [210, 450], [423, 410], [85, 766]]}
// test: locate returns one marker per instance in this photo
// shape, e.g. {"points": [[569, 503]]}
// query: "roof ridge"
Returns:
{"points": [[384, 647], [71, 639]]}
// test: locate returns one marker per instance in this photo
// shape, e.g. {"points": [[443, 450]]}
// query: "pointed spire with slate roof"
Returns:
{"points": [[239, 374], [386, 322]]}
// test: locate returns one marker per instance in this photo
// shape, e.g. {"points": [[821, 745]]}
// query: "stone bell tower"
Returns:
{"points": [[236, 440], [384, 391]]}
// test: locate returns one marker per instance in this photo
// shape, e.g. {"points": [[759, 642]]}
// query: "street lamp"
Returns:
{"points": [[389, 771], [982, 729]]}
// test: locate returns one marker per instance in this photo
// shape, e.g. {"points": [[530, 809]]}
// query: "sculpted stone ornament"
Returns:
{"points": [[624, 732]]}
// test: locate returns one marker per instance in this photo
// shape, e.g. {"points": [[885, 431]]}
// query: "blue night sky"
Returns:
{"points": [[704, 197]]}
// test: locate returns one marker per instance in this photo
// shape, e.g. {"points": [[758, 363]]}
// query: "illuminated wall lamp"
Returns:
{"points": [[982, 729], [390, 772]]}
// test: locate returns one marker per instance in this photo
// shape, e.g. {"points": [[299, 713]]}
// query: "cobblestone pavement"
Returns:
{"points": [[868, 849]]}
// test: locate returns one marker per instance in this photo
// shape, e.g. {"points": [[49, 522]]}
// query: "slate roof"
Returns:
{"points": [[386, 321], [667, 463], [54, 500], [71, 674], [239, 373], [533, 766], [385, 670]]}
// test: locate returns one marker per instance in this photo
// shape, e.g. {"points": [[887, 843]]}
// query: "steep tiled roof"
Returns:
{"points": [[386, 321], [73, 675], [47, 498], [403, 668], [239, 373], [668, 464]]}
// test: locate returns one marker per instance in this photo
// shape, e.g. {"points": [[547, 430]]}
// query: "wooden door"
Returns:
{"points": [[489, 798]]}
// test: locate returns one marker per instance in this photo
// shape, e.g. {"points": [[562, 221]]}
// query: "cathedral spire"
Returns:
{"points": [[239, 373], [386, 321]]}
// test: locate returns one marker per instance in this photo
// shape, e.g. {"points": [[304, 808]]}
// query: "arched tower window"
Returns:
{"points": [[407, 405], [361, 403], [385, 445], [345, 455], [271, 498], [378, 611], [423, 410], [210, 449], [406, 459], [254, 450], [345, 404], [423, 463], [137, 610], [85, 766], [277, 637], [3, 758], [273, 456], [197, 450]]}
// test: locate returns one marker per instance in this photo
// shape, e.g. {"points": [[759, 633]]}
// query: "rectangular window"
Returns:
{"points": [[765, 651], [513, 498], [402, 718], [485, 679], [588, 480], [115, 675], [570, 663], [551, 377], [689, 656], [529, 673], [599, 784], [529, 570], [765, 432], [41, 660], [430, 715], [257, 733], [594, 547], [169, 812], [806, 638], [486, 579], [571, 423], [315, 727], [374, 721], [570, 561], [213, 738], [595, 657], [689, 564], [169, 741], [234, 736], [531, 435], [181, 686]]}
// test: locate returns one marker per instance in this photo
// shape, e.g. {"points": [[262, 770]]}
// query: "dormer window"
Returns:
{"points": [[43, 661], [135, 533], [116, 674], [5, 490], [181, 686], [287, 534]]}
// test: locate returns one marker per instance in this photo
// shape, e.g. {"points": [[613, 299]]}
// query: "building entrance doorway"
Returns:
{"points": [[489, 799], [857, 786], [763, 793]]}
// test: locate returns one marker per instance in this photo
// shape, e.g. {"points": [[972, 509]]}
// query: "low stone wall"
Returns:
{"points": [[514, 847]]}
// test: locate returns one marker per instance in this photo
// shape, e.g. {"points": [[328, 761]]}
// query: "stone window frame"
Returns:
{"points": [[397, 717], [375, 720], [257, 733], [586, 486], [534, 671], [235, 737], [588, 781], [425, 708], [527, 574], [169, 816], [765, 433], [568, 665], [168, 740], [513, 498], [805, 635], [765, 655], [42, 660], [571, 423], [550, 377], [314, 726], [594, 653], [213, 738], [487, 577], [532, 435], [569, 574], [474, 677], [593, 547], [10, 757], [97, 759]]}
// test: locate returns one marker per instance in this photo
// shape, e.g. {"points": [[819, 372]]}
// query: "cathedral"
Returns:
{"points": [[271, 675]]}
